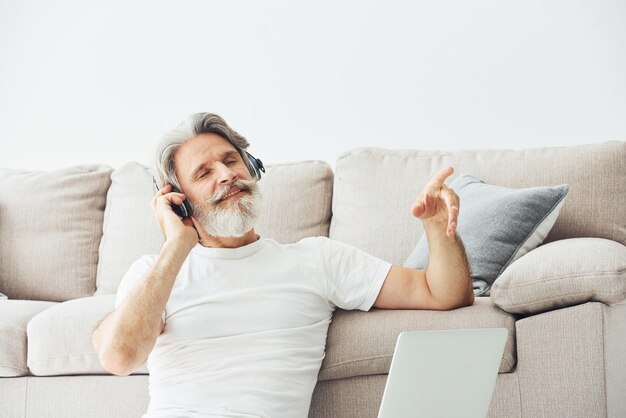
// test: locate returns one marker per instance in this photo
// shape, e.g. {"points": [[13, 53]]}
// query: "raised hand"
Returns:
{"points": [[169, 223], [438, 203]]}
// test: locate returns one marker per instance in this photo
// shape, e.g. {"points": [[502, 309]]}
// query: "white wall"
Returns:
{"points": [[85, 81]]}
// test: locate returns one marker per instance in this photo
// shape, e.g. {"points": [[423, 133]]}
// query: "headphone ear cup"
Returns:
{"points": [[255, 166]]}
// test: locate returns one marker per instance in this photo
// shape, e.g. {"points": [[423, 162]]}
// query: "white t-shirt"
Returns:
{"points": [[245, 328]]}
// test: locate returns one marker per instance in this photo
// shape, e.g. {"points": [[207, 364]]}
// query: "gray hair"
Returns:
{"points": [[194, 125]]}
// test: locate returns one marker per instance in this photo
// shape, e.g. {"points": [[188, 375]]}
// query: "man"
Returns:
{"points": [[234, 325]]}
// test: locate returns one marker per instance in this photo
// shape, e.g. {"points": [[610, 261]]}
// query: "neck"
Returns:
{"points": [[229, 242]]}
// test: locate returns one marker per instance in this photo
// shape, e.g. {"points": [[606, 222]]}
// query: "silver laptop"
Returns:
{"points": [[449, 373]]}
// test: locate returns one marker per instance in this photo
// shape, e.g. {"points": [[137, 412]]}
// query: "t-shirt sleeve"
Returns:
{"points": [[353, 277], [135, 274]]}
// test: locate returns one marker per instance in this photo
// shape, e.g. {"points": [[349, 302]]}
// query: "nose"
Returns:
{"points": [[225, 175]]}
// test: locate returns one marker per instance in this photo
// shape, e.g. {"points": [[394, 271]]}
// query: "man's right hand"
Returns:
{"points": [[171, 226]]}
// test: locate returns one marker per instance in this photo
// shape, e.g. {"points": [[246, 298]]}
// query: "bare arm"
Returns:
{"points": [[127, 335], [446, 283], [448, 272]]}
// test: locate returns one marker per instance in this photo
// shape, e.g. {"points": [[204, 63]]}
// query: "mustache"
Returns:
{"points": [[243, 185]]}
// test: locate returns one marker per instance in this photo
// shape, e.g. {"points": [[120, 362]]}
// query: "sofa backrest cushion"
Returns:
{"points": [[50, 230], [296, 204], [561, 274], [375, 188]]}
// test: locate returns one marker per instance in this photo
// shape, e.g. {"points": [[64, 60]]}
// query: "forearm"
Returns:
{"points": [[129, 333], [448, 273]]}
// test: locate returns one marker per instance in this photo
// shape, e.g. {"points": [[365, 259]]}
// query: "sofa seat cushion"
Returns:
{"points": [[14, 317], [296, 204], [561, 274], [50, 231], [358, 343], [59, 338], [362, 343]]}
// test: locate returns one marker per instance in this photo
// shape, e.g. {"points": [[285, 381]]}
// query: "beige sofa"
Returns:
{"points": [[67, 237]]}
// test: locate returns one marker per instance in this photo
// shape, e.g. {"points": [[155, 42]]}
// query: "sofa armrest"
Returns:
{"points": [[563, 273]]}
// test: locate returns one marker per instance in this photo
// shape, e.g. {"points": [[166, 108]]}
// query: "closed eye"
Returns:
{"points": [[210, 170]]}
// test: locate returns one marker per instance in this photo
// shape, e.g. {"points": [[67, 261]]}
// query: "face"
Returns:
{"points": [[223, 196]]}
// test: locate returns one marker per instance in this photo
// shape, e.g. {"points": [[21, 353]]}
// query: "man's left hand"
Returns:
{"points": [[438, 203]]}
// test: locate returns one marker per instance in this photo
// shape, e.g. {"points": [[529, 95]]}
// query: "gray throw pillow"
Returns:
{"points": [[497, 225]]}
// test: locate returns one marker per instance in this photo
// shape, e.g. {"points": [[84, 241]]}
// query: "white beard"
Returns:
{"points": [[230, 218]]}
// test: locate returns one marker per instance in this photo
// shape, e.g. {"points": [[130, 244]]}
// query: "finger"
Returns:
{"points": [[166, 189], [159, 194], [174, 197], [188, 222], [168, 199], [453, 210], [418, 207], [428, 206], [177, 198], [417, 210], [452, 227], [449, 198], [437, 181]]}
